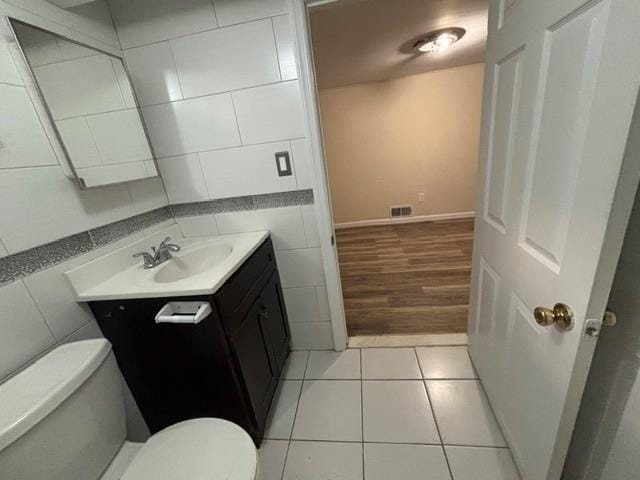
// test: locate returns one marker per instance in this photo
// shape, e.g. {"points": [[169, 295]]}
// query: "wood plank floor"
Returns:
{"points": [[409, 278]]}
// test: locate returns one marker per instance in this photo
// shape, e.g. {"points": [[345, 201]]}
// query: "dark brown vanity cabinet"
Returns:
{"points": [[226, 366]]}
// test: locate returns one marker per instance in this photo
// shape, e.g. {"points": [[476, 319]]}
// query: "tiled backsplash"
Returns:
{"points": [[27, 262]]}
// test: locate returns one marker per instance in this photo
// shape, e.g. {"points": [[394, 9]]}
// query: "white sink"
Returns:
{"points": [[200, 268], [192, 262]]}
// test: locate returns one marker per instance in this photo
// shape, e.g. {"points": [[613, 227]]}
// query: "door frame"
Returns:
{"points": [[321, 190]]}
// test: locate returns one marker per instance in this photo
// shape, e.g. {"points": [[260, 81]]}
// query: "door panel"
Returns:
{"points": [[275, 317], [564, 96], [508, 74], [561, 82], [485, 321], [250, 348]]}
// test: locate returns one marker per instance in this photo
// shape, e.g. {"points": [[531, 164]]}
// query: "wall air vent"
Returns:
{"points": [[401, 211]]}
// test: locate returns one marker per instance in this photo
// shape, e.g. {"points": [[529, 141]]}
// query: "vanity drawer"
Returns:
{"points": [[238, 293]]}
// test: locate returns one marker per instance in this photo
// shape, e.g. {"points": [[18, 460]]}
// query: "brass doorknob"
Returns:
{"points": [[609, 318], [561, 315]]}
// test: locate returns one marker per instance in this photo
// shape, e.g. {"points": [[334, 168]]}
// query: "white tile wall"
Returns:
{"points": [[323, 303], [245, 171], [269, 113], [88, 332], [302, 304], [237, 11], [23, 143], [147, 194], [310, 225], [148, 21], [183, 178], [307, 304], [42, 205], [55, 299], [153, 73], [286, 47], [300, 268], [198, 226], [311, 336], [285, 224], [24, 331], [194, 125], [184, 79], [302, 160], [227, 59]]}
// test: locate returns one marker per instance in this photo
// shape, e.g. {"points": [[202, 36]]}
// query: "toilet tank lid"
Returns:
{"points": [[36, 391]]}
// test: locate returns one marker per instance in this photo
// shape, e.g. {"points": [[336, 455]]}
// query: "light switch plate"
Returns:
{"points": [[283, 164]]}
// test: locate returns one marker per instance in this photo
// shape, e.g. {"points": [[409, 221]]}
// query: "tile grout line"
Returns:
{"points": [[206, 30], [275, 44], [433, 414], [378, 442], [384, 379], [224, 92], [221, 149], [362, 414], [286, 455], [235, 116], [42, 315]]}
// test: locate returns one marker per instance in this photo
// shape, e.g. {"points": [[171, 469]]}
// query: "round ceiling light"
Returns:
{"points": [[439, 40]]}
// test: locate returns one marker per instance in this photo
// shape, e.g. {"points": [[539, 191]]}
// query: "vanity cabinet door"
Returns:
{"points": [[274, 316], [250, 348]]}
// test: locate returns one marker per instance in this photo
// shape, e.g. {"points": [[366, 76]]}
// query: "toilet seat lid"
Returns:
{"points": [[199, 449]]}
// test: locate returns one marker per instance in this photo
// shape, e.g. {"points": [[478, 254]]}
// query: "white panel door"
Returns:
{"points": [[561, 83]]}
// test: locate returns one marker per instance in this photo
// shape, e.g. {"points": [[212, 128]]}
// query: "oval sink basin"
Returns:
{"points": [[192, 263]]}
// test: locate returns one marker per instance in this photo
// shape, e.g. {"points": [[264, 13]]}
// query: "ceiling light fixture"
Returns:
{"points": [[439, 40]]}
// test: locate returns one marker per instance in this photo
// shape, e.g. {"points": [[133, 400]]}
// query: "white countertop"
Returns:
{"points": [[119, 276]]}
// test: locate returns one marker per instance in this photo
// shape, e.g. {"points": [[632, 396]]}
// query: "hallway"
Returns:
{"points": [[408, 278]]}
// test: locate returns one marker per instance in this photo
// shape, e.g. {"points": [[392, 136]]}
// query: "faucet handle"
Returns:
{"points": [[172, 247], [149, 260]]}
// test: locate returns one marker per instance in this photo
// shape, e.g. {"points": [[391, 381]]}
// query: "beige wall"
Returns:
{"points": [[386, 142]]}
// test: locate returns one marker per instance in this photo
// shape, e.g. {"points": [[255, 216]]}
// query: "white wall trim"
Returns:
{"points": [[391, 221], [309, 94]]}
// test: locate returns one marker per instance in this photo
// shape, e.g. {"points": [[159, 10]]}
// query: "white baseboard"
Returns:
{"points": [[391, 221]]}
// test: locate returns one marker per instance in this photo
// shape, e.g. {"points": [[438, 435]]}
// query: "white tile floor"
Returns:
{"points": [[383, 413]]}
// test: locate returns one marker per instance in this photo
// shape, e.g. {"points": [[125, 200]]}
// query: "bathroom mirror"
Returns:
{"points": [[91, 104]]}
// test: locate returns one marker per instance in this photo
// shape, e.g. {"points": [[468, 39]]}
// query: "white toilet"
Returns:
{"points": [[63, 418]]}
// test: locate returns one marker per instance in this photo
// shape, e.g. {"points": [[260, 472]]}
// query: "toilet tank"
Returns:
{"points": [[63, 417]]}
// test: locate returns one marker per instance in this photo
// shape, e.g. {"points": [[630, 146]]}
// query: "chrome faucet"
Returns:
{"points": [[160, 254]]}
